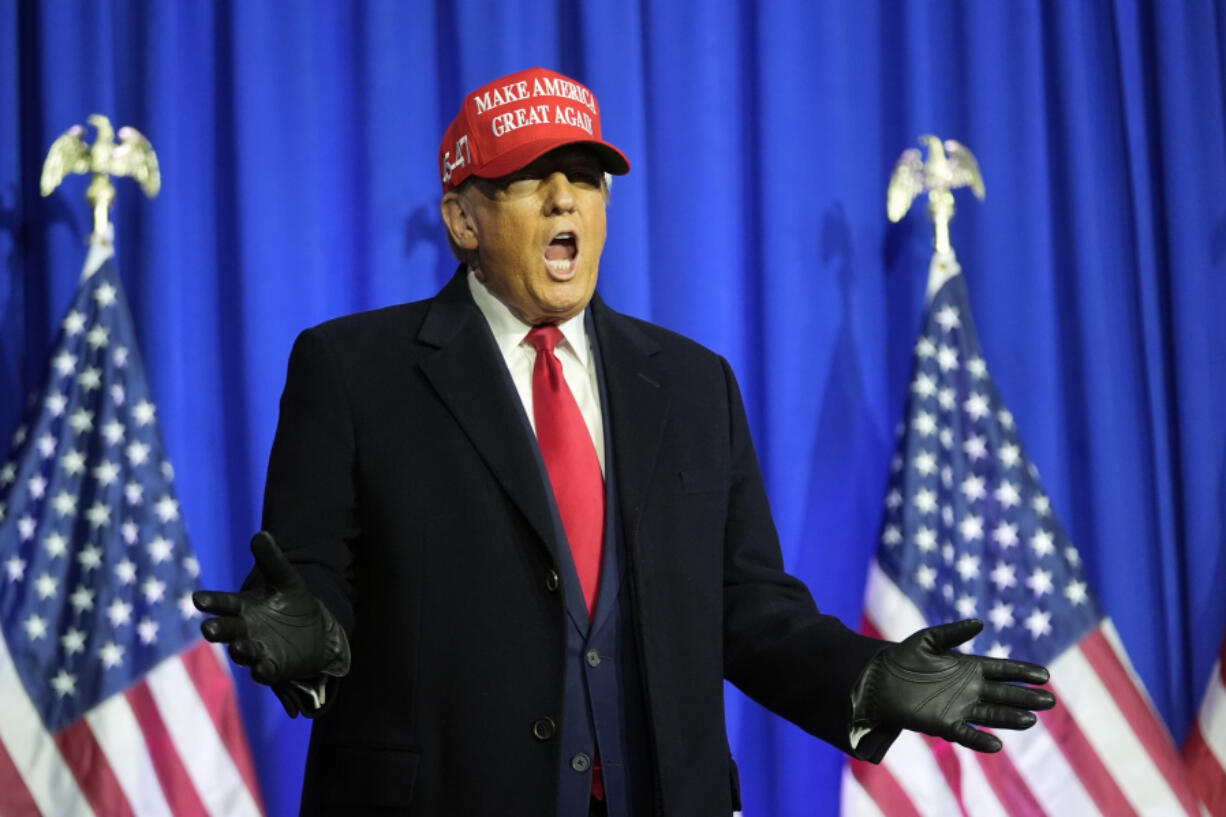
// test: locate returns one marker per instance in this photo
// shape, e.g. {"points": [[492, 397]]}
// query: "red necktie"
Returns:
{"points": [[570, 457]]}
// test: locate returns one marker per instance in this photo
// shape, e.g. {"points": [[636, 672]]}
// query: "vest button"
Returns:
{"points": [[593, 658], [544, 728], [552, 581], [581, 762]]}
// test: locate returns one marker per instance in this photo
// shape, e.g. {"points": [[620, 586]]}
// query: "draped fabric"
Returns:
{"points": [[298, 144]]}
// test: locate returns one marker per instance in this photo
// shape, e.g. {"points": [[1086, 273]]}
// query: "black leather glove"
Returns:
{"points": [[278, 628], [921, 684]]}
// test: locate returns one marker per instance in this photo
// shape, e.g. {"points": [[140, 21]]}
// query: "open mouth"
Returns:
{"points": [[561, 252]]}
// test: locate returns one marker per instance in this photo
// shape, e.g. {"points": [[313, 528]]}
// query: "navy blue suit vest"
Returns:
{"points": [[603, 718]]}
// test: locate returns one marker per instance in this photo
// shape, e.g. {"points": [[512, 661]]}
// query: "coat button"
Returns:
{"points": [[544, 728], [581, 762], [552, 581], [593, 658]]}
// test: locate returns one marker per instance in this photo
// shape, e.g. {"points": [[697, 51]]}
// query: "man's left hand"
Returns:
{"points": [[923, 685]]}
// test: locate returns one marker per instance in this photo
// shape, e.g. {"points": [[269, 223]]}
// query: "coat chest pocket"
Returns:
{"points": [[700, 480]]}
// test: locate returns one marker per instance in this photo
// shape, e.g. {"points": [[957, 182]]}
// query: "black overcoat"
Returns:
{"points": [[403, 485]]}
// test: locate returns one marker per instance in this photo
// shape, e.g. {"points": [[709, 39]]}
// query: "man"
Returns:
{"points": [[521, 539]]}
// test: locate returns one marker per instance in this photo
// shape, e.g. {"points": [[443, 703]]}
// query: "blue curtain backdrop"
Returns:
{"points": [[298, 148]]}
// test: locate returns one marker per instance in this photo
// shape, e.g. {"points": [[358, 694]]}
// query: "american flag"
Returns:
{"points": [[113, 703], [969, 532], [1205, 749]]}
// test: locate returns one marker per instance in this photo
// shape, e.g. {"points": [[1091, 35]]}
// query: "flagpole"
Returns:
{"points": [[101, 250]]}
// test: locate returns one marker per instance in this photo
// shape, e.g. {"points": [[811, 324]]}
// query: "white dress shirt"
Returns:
{"points": [[574, 351]]}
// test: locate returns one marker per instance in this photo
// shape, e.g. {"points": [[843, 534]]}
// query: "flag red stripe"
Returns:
{"points": [[1152, 735], [868, 628], [884, 789], [93, 771], [1084, 760], [15, 798], [1206, 773], [1221, 666], [176, 784], [1011, 789], [216, 690]]}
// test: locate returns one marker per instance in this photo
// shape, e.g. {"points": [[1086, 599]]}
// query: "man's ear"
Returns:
{"points": [[459, 219]]}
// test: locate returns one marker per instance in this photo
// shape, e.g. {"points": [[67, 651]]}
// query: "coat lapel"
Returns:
{"points": [[472, 381], [638, 406]]}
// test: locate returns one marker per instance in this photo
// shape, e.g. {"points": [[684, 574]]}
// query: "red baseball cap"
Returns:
{"points": [[512, 121]]}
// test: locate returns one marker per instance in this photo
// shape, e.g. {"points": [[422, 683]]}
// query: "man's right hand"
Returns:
{"points": [[279, 629]]}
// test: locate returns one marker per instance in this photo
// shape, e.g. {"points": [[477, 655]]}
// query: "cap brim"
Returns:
{"points": [[611, 159]]}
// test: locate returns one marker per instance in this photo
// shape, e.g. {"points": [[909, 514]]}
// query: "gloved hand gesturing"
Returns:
{"points": [[921, 684], [279, 628]]}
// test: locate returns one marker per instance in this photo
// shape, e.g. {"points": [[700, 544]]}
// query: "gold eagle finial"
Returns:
{"points": [[950, 166], [133, 156]]}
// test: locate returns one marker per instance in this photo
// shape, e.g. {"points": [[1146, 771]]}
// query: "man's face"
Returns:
{"points": [[538, 233]]}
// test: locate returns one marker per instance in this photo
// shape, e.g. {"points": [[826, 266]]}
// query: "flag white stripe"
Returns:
{"points": [[1047, 773], [208, 764], [854, 801], [893, 614], [119, 735], [1212, 717], [915, 768], [33, 750], [977, 793], [1112, 636], [1079, 688]]}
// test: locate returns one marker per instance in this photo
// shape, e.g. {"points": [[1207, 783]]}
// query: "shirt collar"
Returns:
{"points": [[509, 331]]}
